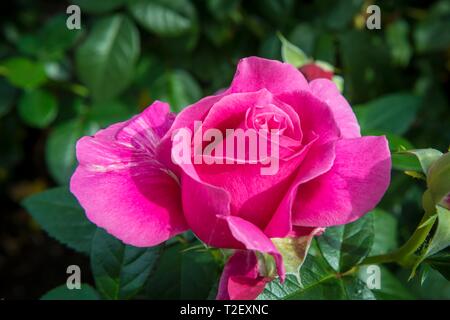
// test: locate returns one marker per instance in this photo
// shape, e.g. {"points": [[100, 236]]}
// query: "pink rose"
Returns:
{"points": [[328, 174]]}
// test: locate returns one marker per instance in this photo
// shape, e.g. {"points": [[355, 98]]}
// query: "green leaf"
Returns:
{"points": [[24, 73], [270, 48], [164, 17], [325, 48], [441, 262], [60, 148], [55, 38], [385, 232], [340, 13], [28, 45], [441, 237], [86, 292], [318, 281], [397, 34], [304, 36], [102, 6], [345, 246], [315, 271], [120, 271], [276, 11], [199, 275], [106, 60], [391, 288], [292, 54], [183, 273], [59, 214], [396, 142], [223, 9], [435, 287], [165, 282], [178, 88], [397, 145], [392, 113], [7, 96], [51, 41], [405, 162], [426, 157], [429, 35], [38, 108], [438, 180], [424, 272], [108, 112], [363, 54]]}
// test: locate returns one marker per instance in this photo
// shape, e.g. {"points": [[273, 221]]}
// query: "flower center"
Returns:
{"points": [[268, 117]]}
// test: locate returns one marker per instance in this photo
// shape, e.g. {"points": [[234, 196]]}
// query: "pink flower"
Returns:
{"points": [[122, 183], [328, 174]]}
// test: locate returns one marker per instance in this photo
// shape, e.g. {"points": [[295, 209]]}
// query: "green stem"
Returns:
{"points": [[383, 258], [404, 255]]}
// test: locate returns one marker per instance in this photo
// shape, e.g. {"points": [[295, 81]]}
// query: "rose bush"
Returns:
{"points": [[328, 174]]}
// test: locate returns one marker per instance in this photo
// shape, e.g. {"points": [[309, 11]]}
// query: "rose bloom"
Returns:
{"points": [[328, 174]]}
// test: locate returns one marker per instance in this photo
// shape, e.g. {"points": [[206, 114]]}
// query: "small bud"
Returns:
{"points": [[438, 181], [313, 71]]}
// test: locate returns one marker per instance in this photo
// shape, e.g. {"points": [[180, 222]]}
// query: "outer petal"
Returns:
{"points": [[254, 239], [355, 184], [202, 204], [255, 73], [319, 160], [207, 211], [327, 91], [240, 279], [121, 184]]}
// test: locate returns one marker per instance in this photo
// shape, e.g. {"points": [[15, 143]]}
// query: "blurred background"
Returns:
{"points": [[57, 85]]}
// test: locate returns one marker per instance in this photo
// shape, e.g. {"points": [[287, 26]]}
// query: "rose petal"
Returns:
{"points": [[254, 239], [315, 116], [207, 211], [327, 91], [319, 160], [202, 204], [255, 73], [121, 184], [253, 196], [355, 184], [240, 279], [230, 112], [184, 119]]}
